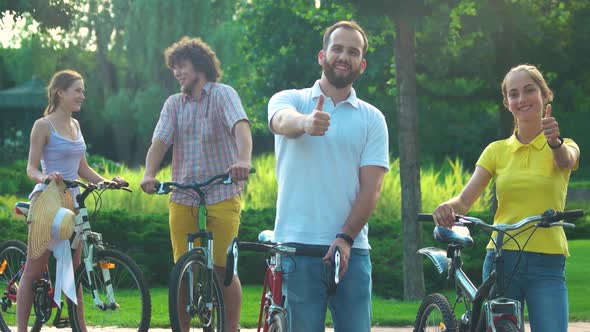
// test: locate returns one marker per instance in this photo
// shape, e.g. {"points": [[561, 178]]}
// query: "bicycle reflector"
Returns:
{"points": [[3, 266], [107, 265]]}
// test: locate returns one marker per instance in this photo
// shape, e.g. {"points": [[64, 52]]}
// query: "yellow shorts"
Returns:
{"points": [[223, 220]]}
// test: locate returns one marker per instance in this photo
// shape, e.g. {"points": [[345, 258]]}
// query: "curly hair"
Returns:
{"points": [[198, 53]]}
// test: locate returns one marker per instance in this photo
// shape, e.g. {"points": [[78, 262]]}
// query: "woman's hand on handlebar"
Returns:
{"points": [[120, 181], [444, 215], [54, 176], [148, 184]]}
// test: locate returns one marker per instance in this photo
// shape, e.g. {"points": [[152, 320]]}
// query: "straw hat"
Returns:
{"points": [[54, 202]]}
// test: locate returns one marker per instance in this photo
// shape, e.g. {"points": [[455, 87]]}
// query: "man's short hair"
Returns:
{"points": [[198, 53], [350, 25]]}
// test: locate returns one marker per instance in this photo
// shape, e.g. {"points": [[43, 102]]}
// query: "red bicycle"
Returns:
{"points": [[272, 301]]}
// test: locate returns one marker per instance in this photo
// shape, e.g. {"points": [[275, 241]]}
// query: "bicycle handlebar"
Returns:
{"points": [[93, 186], [549, 218], [163, 188], [235, 245]]}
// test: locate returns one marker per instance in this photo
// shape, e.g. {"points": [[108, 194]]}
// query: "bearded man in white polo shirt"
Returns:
{"points": [[332, 154]]}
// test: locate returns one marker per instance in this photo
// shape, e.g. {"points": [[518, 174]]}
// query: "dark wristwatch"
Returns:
{"points": [[346, 238], [558, 145]]}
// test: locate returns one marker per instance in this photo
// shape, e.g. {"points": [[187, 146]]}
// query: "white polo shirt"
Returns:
{"points": [[318, 176]]}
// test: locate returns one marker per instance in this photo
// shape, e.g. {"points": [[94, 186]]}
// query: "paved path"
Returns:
{"points": [[573, 327]]}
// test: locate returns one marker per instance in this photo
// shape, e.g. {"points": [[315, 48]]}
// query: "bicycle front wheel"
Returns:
{"points": [[435, 314], [114, 296], [195, 300]]}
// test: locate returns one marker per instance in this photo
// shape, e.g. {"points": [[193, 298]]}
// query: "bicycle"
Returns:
{"points": [[193, 279], [272, 301], [486, 307], [108, 280]]}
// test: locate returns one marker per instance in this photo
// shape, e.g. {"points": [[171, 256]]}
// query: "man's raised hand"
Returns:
{"points": [[317, 123]]}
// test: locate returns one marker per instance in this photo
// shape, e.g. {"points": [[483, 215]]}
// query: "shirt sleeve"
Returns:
{"points": [[166, 123], [230, 103], [487, 159], [376, 149]]}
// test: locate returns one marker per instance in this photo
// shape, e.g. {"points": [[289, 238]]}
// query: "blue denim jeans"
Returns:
{"points": [[539, 282], [305, 286]]}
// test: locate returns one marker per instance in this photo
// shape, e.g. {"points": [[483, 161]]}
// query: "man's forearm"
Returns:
{"points": [[243, 137], [154, 157], [371, 179], [289, 123]]}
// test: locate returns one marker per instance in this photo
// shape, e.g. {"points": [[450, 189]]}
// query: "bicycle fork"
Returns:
{"points": [[105, 268]]}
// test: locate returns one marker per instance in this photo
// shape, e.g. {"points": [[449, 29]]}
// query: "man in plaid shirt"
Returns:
{"points": [[210, 134]]}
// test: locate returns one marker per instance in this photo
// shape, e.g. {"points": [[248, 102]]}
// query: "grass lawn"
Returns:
{"points": [[395, 313]]}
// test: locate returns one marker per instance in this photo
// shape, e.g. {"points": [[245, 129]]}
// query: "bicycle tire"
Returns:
{"points": [[133, 304], [278, 322], [13, 254], [199, 317], [435, 312], [505, 325]]}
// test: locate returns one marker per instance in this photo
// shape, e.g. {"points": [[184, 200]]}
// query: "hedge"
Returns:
{"points": [[145, 237]]}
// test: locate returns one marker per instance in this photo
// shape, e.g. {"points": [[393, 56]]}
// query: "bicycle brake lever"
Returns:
{"points": [[336, 266]]}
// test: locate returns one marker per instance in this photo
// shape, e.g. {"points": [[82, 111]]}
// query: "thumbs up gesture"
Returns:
{"points": [[317, 123], [550, 127]]}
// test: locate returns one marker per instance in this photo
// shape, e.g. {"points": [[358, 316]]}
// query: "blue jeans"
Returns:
{"points": [[305, 287], [538, 281]]}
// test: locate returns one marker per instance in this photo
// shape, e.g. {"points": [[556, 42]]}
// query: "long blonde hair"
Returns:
{"points": [[61, 80]]}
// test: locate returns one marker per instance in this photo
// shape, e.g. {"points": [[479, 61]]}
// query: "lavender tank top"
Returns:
{"points": [[62, 155]]}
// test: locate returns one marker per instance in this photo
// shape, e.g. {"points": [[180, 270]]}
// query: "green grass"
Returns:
{"points": [[398, 313], [577, 272]]}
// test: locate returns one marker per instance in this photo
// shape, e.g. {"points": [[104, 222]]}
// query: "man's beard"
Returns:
{"points": [[340, 82], [188, 88]]}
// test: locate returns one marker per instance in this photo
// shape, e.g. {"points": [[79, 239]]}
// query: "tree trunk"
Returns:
{"points": [[405, 67]]}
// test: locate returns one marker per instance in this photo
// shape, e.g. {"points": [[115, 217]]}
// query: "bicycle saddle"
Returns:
{"points": [[457, 234], [266, 236]]}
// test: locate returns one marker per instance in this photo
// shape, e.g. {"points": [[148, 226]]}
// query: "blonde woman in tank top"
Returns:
{"points": [[57, 145]]}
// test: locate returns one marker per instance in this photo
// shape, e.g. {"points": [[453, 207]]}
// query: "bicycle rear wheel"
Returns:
{"points": [[505, 325], [435, 314], [191, 273], [130, 305], [278, 322]]}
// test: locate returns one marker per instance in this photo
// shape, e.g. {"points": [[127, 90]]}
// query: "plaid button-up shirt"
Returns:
{"points": [[201, 133]]}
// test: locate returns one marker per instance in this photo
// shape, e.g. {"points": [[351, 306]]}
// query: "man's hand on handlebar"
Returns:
{"points": [[148, 184]]}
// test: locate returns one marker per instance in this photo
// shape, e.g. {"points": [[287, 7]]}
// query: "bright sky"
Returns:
{"points": [[9, 30]]}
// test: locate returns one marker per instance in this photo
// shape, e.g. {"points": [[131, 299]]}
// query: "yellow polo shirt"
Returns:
{"points": [[527, 183]]}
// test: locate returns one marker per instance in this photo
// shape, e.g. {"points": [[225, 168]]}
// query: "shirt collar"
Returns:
{"points": [[316, 91], [538, 143], [206, 91]]}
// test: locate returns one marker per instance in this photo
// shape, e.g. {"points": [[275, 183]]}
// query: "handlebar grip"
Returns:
{"points": [[425, 217], [252, 246], [573, 214]]}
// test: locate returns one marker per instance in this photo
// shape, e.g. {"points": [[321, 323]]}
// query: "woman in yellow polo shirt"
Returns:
{"points": [[531, 169]]}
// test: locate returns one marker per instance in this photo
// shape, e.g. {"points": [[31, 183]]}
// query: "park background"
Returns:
{"points": [[434, 70]]}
